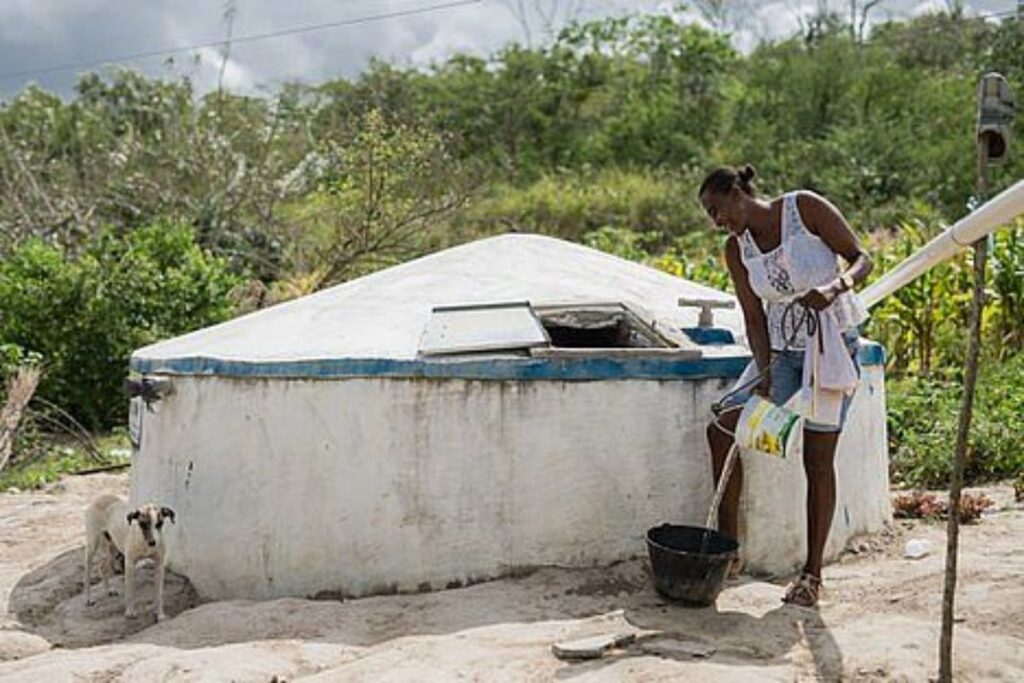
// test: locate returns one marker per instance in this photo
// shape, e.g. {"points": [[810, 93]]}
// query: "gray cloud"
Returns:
{"points": [[36, 34]]}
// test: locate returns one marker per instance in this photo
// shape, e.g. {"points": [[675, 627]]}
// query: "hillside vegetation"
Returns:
{"points": [[136, 210]]}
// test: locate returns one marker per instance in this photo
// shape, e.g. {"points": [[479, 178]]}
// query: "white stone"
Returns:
{"points": [[916, 548]]}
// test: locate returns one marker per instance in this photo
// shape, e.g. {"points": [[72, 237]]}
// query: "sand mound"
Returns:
{"points": [[49, 601]]}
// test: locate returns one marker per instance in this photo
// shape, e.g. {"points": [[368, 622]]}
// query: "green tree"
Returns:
{"points": [[386, 190], [84, 315]]}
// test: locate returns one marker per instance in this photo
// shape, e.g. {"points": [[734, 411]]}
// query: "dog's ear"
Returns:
{"points": [[167, 513], [132, 516]]}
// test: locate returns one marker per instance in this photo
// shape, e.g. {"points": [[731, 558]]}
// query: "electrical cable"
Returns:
{"points": [[236, 40]]}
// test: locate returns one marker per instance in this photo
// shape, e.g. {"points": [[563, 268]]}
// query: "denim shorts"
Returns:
{"points": [[788, 378]]}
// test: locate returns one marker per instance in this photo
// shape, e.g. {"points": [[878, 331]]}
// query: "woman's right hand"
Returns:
{"points": [[764, 387]]}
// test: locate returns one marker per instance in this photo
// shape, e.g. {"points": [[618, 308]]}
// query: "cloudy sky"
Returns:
{"points": [[40, 37]]}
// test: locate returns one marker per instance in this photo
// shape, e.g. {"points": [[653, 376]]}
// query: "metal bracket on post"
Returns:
{"points": [[150, 389]]}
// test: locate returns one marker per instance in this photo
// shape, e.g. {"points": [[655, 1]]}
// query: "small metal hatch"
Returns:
{"points": [[609, 329]]}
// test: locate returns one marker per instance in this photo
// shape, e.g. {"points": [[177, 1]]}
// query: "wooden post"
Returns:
{"points": [[962, 434], [19, 392]]}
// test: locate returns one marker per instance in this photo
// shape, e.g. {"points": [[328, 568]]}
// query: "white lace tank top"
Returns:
{"points": [[801, 262]]}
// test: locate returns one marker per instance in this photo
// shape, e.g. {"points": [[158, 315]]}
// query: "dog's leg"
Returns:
{"points": [[88, 568], [105, 565], [112, 562], [129, 576], [92, 547], [105, 574], [160, 616], [108, 569]]}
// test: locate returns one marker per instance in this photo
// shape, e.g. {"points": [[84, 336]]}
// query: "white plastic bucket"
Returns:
{"points": [[767, 428]]}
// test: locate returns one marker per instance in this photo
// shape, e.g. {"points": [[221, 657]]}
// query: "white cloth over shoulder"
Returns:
{"points": [[830, 373]]}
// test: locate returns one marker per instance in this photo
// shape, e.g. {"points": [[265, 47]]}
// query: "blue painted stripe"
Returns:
{"points": [[580, 369], [493, 369], [709, 335], [871, 353]]}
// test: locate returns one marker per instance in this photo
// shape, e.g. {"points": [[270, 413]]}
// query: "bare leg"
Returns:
{"points": [[819, 465], [720, 443]]}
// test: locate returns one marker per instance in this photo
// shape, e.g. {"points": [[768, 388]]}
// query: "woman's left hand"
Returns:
{"points": [[820, 298]]}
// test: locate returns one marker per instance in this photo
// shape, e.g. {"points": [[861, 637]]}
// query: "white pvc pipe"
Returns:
{"points": [[1002, 209]]}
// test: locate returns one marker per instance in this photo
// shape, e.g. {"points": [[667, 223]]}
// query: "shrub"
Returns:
{"points": [[570, 204], [697, 256], [85, 315], [922, 325], [13, 358], [383, 196], [622, 242], [920, 505], [923, 416]]}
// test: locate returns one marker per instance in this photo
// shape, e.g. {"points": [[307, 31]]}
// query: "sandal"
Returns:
{"points": [[804, 591]]}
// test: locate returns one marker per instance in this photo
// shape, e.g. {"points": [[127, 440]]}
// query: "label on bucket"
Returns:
{"points": [[766, 427]]}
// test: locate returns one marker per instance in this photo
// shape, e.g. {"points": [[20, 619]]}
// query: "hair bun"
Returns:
{"points": [[747, 173]]}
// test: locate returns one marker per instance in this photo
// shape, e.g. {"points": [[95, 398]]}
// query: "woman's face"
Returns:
{"points": [[726, 210]]}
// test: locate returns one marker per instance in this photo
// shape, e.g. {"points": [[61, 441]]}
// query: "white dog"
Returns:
{"points": [[135, 534]]}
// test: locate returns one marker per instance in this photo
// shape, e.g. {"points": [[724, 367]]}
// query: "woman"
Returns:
{"points": [[779, 251]]}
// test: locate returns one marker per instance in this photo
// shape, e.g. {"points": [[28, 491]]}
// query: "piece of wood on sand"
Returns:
{"points": [[591, 647]]}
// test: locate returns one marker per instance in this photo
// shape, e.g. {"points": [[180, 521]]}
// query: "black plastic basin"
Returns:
{"points": [[681, 571]]}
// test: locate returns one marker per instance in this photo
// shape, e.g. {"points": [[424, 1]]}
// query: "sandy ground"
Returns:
{"points": [[879, 618]]}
